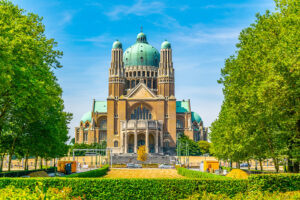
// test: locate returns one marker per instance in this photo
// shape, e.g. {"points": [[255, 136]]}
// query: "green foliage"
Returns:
{"points": [[275, 182], [90, 174], [253, 195], [32, 117], [197, 174], [11, 192], [186, 146], [204, 146], [261, 91], [102, 188]]}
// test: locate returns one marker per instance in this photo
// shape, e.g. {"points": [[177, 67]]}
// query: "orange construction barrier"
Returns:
{"points": [[211, 165], [61, 166]]}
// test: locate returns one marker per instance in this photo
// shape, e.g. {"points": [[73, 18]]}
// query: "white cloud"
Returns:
{"points": [[140, 8], [66, 17]]}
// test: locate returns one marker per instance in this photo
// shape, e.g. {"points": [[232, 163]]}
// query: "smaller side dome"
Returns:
{"points": [[141, 38], [117, 45], [166, 45], [86, 117], [196, 117]]}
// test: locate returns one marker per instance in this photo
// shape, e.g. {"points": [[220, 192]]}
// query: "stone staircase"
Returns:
{"points": [[152, 159]]}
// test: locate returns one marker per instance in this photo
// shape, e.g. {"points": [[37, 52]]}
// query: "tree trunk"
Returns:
{"points": [[261, 165], [296, 167], [248, 162], [41, 163], [11, 152], [290, 165], [238, 166], [230, 165], [26, 161], [276, 164], [54, 162], [1, 161], [35, 161]]}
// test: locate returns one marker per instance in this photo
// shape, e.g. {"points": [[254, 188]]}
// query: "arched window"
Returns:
{"points": [[132, 83], [87, 125], [116, 143], [179, 124], [141, 113], [154, 84], [103, 124], [149, 83], [166, 144]]}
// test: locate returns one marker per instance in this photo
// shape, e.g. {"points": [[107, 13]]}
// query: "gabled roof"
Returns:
{"points": [[100, 106], [182, 106], [141, 91]]}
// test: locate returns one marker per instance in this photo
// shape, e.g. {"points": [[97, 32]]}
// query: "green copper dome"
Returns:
{"points": [[196, 117], [166, 45], [86, 117], [117, 45], [141, 53]]}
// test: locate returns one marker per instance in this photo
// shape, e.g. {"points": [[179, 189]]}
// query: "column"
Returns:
{"points": [[156, 141], [135, 141], [161, 141], [147, 140], [126, 145]]}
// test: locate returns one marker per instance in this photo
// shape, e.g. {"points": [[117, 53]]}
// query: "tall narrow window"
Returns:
{"points": [[141, 112], [116, 143]]}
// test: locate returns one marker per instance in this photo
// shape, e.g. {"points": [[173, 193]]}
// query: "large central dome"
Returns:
{"points": [[141, 53]]}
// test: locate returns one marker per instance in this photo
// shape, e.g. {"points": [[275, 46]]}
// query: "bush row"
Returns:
{"points": [[90, 174], [25, 172], [197, 174], [95, 188], [275, 182]]}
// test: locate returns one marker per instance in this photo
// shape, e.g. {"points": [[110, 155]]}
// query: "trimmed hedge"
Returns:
{"points": [[90, 174], [197, 174], [95, 188], [275, 182], [25, 172]]}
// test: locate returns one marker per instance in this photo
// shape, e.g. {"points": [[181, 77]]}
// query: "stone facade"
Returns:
{"points": [[141, 108]]}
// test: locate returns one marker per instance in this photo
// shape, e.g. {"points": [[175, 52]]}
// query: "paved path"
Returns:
{"points": [[143, 173]]}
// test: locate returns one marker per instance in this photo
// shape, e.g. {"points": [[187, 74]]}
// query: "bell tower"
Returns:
{"points": [[166, 71], [116, 71]]}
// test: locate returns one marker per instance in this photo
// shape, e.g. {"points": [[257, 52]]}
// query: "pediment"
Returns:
{"points": [[141, 92]]}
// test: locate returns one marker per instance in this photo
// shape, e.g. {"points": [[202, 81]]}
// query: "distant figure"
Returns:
{"points": [[207, 170], [79, 165]]}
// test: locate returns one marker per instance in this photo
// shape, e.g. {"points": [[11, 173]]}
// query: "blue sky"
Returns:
{"points": [[203, 33]]}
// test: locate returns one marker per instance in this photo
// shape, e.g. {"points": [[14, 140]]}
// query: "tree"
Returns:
{"points": [[31, 107], [204, 146], [186, 146], [142, 154], [259, 117]]}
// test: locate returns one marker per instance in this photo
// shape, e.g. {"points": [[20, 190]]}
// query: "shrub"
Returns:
{"points": [[11, 192], [89, 174], [237, 173], [255, 195], [275, 182], [197, 174], [95, 188]]}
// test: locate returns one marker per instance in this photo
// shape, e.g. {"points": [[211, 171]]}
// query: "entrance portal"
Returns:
{"points": [[141, 139]]}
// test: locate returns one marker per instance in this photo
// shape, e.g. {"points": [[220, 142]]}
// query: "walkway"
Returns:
{"points": [[143, 173]]}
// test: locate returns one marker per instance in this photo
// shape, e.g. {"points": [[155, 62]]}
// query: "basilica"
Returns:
{"points": [[141, 107]]}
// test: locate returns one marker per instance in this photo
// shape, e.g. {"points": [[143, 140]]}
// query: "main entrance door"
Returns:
{"points": [[140, 140]]}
